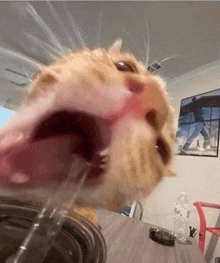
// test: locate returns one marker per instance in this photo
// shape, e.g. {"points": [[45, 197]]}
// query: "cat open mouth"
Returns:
{"points": [[75, 124], [48, 154], [81, 127]]}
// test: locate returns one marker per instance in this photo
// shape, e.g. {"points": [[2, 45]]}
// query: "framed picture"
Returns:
{"points": [[198, 127]]}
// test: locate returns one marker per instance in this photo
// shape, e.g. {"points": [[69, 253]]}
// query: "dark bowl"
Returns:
{"points": [[79, 241]]}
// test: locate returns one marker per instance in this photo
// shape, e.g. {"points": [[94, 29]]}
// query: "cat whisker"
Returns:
{"points": [[135, 44], [75, 28], [27, 74], [100, 29], [45, 45], [45, 28], [62, 25], [10, 53], [169, 58], [147, 45]]}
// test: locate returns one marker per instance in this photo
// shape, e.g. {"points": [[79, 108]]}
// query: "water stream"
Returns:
{"points": [[50, 219]]}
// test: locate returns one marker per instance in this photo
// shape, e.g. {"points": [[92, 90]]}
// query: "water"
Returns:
{"points": [[49, 221], [181, 218]]}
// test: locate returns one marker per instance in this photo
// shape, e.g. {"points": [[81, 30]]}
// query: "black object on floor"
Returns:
{"points": [[162, 237]]}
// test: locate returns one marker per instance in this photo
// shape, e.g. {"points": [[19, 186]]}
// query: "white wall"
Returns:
{"points": [[198, 176]]}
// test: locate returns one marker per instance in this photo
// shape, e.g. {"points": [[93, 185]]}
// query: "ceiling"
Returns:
{"points": [[188, 33]]}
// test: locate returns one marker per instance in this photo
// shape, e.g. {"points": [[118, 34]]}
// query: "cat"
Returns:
{"points": [[101, 104], [121, 112]]}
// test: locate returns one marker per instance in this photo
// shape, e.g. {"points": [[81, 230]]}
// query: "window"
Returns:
{"points": [[5, 115]]}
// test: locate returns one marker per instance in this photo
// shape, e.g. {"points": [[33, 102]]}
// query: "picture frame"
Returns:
{"points": [[198, 125]]}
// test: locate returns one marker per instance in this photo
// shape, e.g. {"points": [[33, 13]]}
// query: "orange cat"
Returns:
{"points": [[119, 110]]}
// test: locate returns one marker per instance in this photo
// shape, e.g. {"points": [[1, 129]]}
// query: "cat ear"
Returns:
{"points": [[170, 172], [116, 46]]}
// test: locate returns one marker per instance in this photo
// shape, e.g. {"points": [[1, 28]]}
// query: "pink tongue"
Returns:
{"points": [[38, 163]]}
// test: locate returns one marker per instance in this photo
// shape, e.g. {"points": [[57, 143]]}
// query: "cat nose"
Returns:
{"points": [[149, 101]]}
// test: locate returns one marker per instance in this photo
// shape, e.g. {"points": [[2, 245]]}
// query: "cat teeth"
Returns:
{"points": [[103, 167], [104, 152], [100, 161], [105, 160]]}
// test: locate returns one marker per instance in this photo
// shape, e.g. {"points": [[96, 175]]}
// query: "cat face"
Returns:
{"points": [[102, 105]]}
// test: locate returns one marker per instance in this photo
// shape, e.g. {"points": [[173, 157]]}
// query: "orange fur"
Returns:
{"points": [[134, 167]]}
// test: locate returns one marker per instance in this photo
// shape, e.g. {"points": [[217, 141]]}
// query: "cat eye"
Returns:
{"points": [[126, 66], [163, 150]]}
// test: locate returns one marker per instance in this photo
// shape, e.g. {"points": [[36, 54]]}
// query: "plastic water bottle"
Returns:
{"points": [[181, 218]]}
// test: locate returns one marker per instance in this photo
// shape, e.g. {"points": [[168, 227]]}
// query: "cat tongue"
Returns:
{"points": [[38, 163]]}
